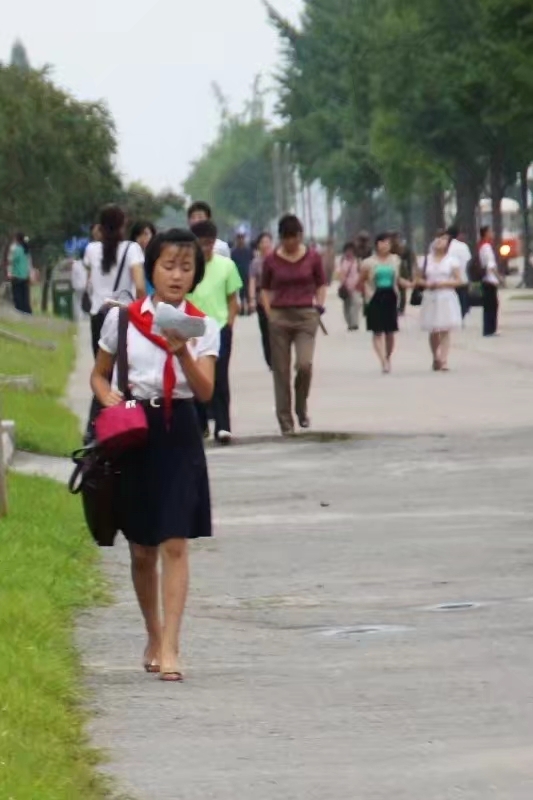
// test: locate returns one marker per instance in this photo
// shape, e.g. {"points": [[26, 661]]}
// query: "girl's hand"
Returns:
{"points": [[176, 344], [113, 398]]}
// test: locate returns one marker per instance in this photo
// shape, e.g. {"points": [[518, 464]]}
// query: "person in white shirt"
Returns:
{"points": [[200, 211], [461, 252], [163, 495], [491, 281], [115, 267]]}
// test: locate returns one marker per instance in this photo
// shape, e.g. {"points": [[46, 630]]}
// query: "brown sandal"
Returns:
{"points": [[171, 677], [152, 668]]}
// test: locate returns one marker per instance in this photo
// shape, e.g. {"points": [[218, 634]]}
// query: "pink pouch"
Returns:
{"points": [[121, 427]]}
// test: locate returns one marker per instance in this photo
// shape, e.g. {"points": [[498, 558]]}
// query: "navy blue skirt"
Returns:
{"points": [[164, 486], [382, 312]]}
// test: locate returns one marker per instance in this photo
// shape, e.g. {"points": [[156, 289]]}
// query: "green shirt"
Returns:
{"points": [[221, 281], [20, 263]]}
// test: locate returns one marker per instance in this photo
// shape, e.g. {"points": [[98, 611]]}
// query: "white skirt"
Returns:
{"points": [[440, 311]]}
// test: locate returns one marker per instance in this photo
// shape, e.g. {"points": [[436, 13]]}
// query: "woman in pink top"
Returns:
{"points": [[293, 294], [349, 289]]}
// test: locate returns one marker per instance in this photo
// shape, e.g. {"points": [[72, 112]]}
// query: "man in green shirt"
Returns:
{"points": [[218, 297]]}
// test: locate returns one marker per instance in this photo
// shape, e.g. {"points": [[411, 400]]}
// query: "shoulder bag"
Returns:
{"points": [[418, 292], [97, 468]]}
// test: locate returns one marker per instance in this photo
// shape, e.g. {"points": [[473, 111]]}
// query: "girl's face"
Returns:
{"points": [[265, 246], [145, 238], [441, 244], [174, 272], [383, 248]]}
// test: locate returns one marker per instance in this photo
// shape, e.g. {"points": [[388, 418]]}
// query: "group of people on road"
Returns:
{"points": [[182, 382], [378, 282]]}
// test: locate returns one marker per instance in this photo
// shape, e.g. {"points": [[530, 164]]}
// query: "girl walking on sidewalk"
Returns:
{"points": [[164, 490]]}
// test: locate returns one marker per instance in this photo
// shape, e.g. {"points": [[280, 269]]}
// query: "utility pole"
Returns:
{"points": [[310, 212]]}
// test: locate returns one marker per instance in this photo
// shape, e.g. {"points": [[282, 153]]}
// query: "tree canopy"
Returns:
{"points": [[408, 96], [234, 174]]}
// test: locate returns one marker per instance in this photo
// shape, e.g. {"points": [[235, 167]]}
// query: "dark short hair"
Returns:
{"points": [[441, 232], [199, 205], [350, 246], [289, 225], [139, 227], [484, 230], [262, 235], [179, 237], [382, 237], [453, 231], [205, 230]]}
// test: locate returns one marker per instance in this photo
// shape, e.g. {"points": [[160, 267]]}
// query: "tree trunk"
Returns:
{"points": [[406, 212], [329, 213], [367, 213], [467, 191], [524, 203], [496, 195], [433, 215]]}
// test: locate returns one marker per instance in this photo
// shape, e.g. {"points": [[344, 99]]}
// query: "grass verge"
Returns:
{"points": [[49, 573], [43, 423]]}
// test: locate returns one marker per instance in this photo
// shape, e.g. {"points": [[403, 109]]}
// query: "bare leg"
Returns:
{"points": [[175, 556], [146, 585], [378, 341], [444, 348], [434, 343], [390, 341]]}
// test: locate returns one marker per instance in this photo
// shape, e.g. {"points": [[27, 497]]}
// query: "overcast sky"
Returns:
{"points": [[153, 61]]}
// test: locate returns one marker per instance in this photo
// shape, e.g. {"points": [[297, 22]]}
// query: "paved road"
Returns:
{"points": [[321, 663]]}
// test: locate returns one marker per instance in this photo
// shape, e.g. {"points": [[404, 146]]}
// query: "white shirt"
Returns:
{"points": [[487, 256], [102, 285], [222, 248], [146, 361], [463, 255], [441, 271], [78, 276]]}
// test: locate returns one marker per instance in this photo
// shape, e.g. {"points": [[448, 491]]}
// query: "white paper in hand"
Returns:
{"points": [[172, 319]]}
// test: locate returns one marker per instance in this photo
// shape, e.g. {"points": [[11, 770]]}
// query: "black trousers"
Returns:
{"points": [[463, 295], [97, 321], [20, 289], [220, 403], [265, 335], [490, 309]]}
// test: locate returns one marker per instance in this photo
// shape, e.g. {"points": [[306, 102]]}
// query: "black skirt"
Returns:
{"points": [[164, 486], [382, 312]]}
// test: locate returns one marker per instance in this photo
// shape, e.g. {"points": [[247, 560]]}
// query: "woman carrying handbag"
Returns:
{"points": [[163, 489]]}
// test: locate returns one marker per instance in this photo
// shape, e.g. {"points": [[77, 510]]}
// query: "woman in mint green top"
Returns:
{"points": [[381, 275], [20, 267]]}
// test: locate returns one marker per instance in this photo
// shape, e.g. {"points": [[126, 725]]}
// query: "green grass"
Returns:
{"points": [[49, 573], [525, 296], [43, 423]]}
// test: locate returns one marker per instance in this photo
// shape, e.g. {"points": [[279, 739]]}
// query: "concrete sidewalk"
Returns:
{"points": [[360, 626]]}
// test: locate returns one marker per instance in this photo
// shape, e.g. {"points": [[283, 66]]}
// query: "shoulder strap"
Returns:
{"points": [[122, 352], [121, 268]]}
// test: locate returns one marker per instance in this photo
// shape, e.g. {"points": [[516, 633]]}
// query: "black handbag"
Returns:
{"points": [[343, 292], [417, 295], [96, 476], [86, 303]]}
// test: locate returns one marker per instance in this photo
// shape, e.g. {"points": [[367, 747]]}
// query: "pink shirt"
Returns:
{"points": [[349, 273]]}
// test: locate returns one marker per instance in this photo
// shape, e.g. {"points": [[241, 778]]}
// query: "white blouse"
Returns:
{"points": [[146, 360], [102, 284], [441, 271]]}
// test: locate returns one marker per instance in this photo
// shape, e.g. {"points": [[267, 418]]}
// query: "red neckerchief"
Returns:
{"points": [[143, 321]]}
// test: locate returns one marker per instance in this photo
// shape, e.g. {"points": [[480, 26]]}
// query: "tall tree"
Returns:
{"points": [[19, 56]]}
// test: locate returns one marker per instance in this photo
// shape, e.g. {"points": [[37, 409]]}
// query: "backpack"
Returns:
{"points": [[475, 269]]}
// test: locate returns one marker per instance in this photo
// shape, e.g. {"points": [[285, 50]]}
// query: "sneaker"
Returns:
{"points": [[224, 437]]}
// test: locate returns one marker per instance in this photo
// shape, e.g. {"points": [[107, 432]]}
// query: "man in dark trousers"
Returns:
{"points": [[217, 296], [242, 256]]}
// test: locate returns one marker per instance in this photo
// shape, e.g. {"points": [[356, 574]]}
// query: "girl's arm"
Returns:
{"points": [[101, 380], [200, 373]]}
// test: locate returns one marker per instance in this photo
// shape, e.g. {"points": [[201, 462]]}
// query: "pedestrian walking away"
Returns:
{"points": [[440, 312], [264, 247], [460, 251], [490, 281], [242, 256], [19, 268], [200, 211], [114, 265], [218, 296], [142, 233], [163, 496], [350, 286], [381, 279], [293, 295], [408, 266]]}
